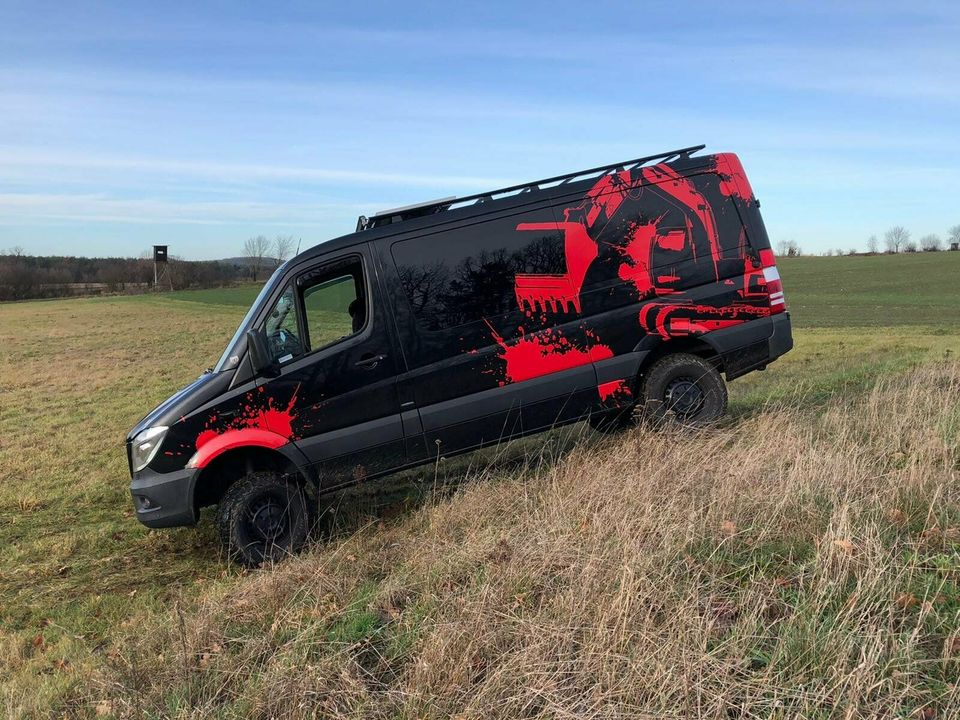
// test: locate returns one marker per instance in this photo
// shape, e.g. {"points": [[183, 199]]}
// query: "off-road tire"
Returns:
{"points": [[263, 518], [683, 389]]}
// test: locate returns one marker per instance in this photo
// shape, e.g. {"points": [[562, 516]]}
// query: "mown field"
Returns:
{"points": [[801, 560]]}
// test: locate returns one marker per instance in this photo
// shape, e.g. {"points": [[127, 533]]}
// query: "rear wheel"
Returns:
{"points": [[263, 518], [685, 389]]}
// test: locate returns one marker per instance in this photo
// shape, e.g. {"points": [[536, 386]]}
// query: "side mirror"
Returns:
{"points": [[260, 359]]}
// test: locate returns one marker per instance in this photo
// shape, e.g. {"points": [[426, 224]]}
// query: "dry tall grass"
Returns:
{"points": [[790, 564]]}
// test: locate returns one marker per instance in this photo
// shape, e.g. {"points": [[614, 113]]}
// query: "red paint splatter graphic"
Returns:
{"points": [[254, 414], [614, 392], [542, 354], [684, 191], [655, 259], [541, 291], [280, 420], [682, 319], [733, 181], [599, 205], [638, 252]]}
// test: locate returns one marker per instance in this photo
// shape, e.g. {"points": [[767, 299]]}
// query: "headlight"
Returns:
{"points": [[145, 446]]}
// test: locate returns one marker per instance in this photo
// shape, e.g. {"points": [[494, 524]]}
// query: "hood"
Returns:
{"points": [[184, 401]]}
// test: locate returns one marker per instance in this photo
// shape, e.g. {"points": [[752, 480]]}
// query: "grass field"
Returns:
{"points": [[801, 560]]}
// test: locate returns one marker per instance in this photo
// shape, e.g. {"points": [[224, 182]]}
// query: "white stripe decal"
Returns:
{"points": [[770, 274], [776, 295], [781, 301]]}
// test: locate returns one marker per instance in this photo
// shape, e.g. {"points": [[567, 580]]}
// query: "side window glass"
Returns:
{"points": [[484, 270], [282, 330], [334, 303]]}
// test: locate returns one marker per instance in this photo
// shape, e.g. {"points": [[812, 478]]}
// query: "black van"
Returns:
{"points": [[448, 326]]}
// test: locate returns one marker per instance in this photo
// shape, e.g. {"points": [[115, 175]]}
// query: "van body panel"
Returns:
{"points": [[486, 322]]}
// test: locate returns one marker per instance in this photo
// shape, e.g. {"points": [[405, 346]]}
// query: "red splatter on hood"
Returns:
{"points": [[254, 414]]}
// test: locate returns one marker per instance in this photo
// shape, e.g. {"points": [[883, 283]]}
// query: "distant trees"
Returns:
{"points": [[283, 247], [256, 248], [788, 248], [953, 235], [896, 238], [23, 277]]}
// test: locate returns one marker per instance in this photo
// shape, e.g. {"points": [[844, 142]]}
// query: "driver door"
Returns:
{"points": [[336, 388]]}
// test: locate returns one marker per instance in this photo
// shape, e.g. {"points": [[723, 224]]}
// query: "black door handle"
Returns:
{"points": [[369, 361]]}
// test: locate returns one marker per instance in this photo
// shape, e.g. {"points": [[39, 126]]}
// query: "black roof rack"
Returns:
{"points": [[387, 217]]}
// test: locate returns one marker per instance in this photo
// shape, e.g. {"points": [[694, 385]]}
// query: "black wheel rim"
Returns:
{"points": [[684, 397], [268, 519]]}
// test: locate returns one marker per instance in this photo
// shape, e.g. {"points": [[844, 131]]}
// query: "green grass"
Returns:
{"points": [[239, 295], [75, 375], [921, 289]]}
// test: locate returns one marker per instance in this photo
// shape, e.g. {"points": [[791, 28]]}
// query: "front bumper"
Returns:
{"points": [[164, 499]]}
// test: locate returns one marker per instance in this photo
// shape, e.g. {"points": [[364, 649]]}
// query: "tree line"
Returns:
{"points": [[25, 277], [895, 240]]}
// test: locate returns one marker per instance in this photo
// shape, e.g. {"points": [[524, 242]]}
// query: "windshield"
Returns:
{"points": [[231, 356]]}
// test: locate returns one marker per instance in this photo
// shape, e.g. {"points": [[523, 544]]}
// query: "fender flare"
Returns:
{"points": [[250, 437]]}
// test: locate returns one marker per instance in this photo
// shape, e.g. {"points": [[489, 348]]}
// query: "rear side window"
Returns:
{"points": [[460, 276]]}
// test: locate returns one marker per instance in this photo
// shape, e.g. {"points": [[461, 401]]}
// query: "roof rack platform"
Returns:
{"points": [[387, 217]]}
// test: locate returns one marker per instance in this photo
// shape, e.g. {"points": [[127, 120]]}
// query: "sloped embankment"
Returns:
{"points": [[789, 564]]}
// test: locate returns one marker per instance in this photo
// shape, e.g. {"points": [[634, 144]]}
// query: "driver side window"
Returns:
{"points": [[334, 304], [282, 329]]}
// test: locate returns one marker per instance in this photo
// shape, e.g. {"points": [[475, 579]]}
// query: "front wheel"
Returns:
{"points": [[263, 518], [686, 389]]}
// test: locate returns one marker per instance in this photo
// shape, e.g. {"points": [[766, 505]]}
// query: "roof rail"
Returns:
{"points": [[387, 217]]}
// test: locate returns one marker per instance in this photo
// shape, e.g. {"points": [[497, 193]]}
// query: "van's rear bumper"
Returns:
{"points": [[752, 345], [164, 499]]}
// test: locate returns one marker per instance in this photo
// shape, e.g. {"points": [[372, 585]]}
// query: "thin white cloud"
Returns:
{"points": [[40, 208], [12, 157]]}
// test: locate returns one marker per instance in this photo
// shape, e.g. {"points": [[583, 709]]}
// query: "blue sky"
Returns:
{"points": [[201, 124]]}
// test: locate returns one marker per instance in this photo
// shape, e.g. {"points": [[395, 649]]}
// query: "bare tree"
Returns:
{"points": [[838, 252], [910, 246], [283, 246], [931, 243], [255, 248], [852, 251], [896, 238], [954, 234], [873, 245], [788, 248]]}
